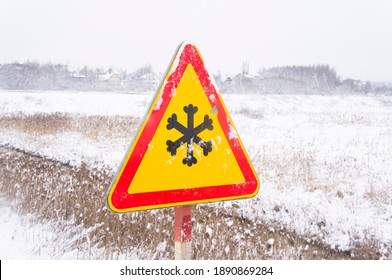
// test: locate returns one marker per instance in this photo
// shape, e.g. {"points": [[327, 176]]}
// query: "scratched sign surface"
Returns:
{"points": [[187, 151]]}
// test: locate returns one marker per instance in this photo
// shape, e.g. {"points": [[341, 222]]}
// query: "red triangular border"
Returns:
{"points": [[120, 200]]}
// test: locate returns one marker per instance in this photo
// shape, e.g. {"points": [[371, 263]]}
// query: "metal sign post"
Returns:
{"points": [[183, 232]]}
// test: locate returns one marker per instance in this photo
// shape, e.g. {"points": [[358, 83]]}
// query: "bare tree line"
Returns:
{"points": [[314, 75], [284, 79], [48, 76]]}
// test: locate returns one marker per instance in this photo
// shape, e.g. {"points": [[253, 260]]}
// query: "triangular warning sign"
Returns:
{"points": [[187, 151]]}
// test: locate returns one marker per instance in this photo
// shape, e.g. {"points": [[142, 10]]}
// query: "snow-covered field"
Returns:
{"points": [[324, 162]]}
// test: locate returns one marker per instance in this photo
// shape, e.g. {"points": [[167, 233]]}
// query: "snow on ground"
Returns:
{"points": [[74, 149], [324, 161], [84, 103], [20, 238], [67, 147], [23, 238]]}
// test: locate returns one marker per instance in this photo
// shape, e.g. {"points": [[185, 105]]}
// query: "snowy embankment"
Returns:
{"points": [[323, 161], [20, 239], [24, 238]]}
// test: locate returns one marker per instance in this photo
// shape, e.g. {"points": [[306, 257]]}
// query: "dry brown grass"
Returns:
{"points": [[37, 124], [92, 127], [73, 199]]}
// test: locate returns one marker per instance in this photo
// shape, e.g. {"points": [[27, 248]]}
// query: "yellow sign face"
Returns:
{"points": [[187, 150], [159, 170]]}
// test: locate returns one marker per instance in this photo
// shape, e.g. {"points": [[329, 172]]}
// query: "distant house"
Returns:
{"points": [[77, 76], [105, 76], [352, 85], [111, 77], [245, 82]]}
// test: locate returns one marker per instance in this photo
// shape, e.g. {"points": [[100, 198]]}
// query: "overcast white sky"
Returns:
{"points": [[354, 36]]}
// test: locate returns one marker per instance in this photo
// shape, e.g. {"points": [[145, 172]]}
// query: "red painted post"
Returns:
{"points": [[183, 232]]}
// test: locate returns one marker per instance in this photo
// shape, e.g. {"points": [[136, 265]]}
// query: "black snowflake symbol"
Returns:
{"points": [[189, 135]]}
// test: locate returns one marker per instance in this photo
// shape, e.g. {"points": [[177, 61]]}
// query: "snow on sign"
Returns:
{"points": [[187, 151]]}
